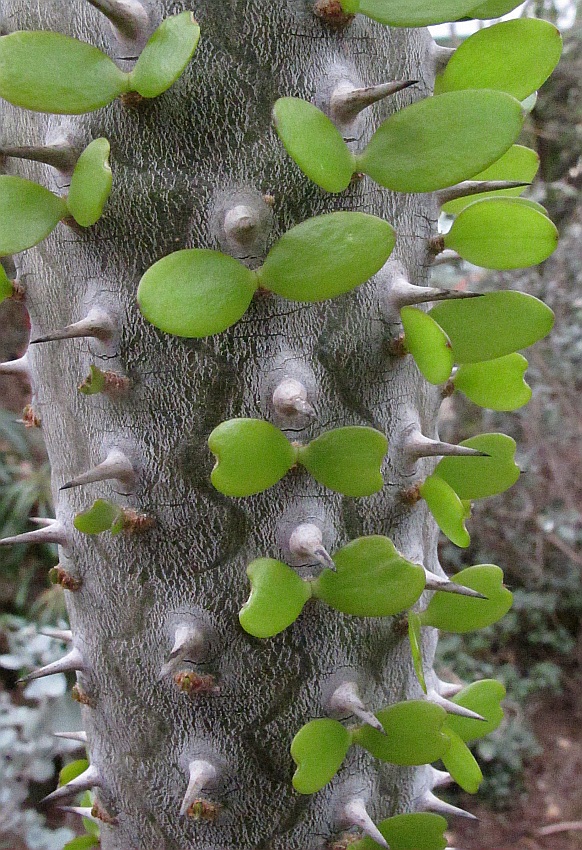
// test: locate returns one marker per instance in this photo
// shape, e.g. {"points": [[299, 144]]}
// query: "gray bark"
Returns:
{"points": [[176, 162]]}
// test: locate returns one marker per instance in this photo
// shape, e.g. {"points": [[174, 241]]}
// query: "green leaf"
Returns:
{"points": [[314, 143], [494, 325], [82, 842], [347, 460], [318, 750], [518, 163], [372, 579], [251, 456], [415, 150], [50, 72], [94, 383], [6, 287], [71, 771], [497, 384], [460, 614], [28, 213], [277, 598], [166, 55], [412, 13], [461, 764], [415, 639], [196, 292], [515, 57], [327, 255], [101, 516], [485, 698], [479, 477], [500, 233], [428, 344], [447, 509], [90, 184], [419, 831], [494, 9], [414, 733]]}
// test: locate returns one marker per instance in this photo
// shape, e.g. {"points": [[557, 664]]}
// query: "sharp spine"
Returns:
{"points": [[346, 102], [306, 541], [80, 736], [405, 294], [82, 811], [128, 18], [201, 774], [54, 533], [116, 466], [448, 689], [66, 635], [189, 642], [290, 399], [21, 366], [97, 324], [475, 187], [416, 446], [72, 661], [356, 814], [61, 157], [346, 699], [444, 585], [439, 778], [429, 802], [91, 778], [452, 707]]}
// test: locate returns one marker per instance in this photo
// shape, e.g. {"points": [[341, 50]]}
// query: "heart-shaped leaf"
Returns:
{"points": [[500, 233], [418, 831], [71, 770], [6, 286], [28, 213], [101, 516], [277, 598], [327, 255], [485, 698], [251, 456], [494, 9], [415, 151], [460, 614], [90, 184], [347, 460], [166, 55], [428, 344], [50, 72], [318, 750], [372, 579], [413, 13], [514, 56], [460, 763], [518, 163], [415, 638], [494, 325], [414, 733], [314, 143], [447, 509], [196, 292], [496, 384], [479, 477]]}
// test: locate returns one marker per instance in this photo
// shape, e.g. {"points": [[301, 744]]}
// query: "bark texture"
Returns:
{"points": [[178, 162]]}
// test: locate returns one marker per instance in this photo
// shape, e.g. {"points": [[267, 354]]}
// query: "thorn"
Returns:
{"points": [[448, 689], [440, 778], [355, 814], [306, 541], [189, 642], [82, 811], [97, 324], [241, 224], [73, 660], [41, 521], [444, 585], [404, 294], [90, 778], [475, 187], [428, 802], [54, 533], [346, 102], [62, 157], [441, 56], [290, 398], [116, 466], [452, 707], [416, 445], [66, 635], [128, 18], [21, 366], [346, 699], [202, 774], [80, 736]]}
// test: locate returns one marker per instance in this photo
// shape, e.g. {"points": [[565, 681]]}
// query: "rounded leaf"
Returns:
{"points": [[418, 831], [6, 287], [461, 764], [71, 770], [277, 598], [28, 213], [415, 639], [494, 9], [372, 579], [428, 344], [441, 140], [101, 516], [413, 13], [485, 698], [497, 384], [460, 614], [514, 56], [313, 141], [494, 325], [90, 184], [318, 750], [414, 733], [479, 477], [447, 509], [251, 456], [50, 72], [500, 233], [166, 55], [196, 292], [328, 255], [347, 460]]}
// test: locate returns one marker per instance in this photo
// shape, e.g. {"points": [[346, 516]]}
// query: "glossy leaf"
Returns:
{"points": [[318, 750], [166, 55], [460, 614], [347, 460], [414, 733], [428, 344], [485, 698], [494, 325], [28, 213], [498, 233], [415, 639], [50, 72], [494, 9], [418, 831], [90, 184], [479, 477], [514, 56], [6, 287], [277, 598], [447, 509], [314, 143], [251, 456], [372, 579], [101, 516], [412, 13], [327, 255], [196, 292], [496, 384], [442, 140], [71, 771], [461, 764]]}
